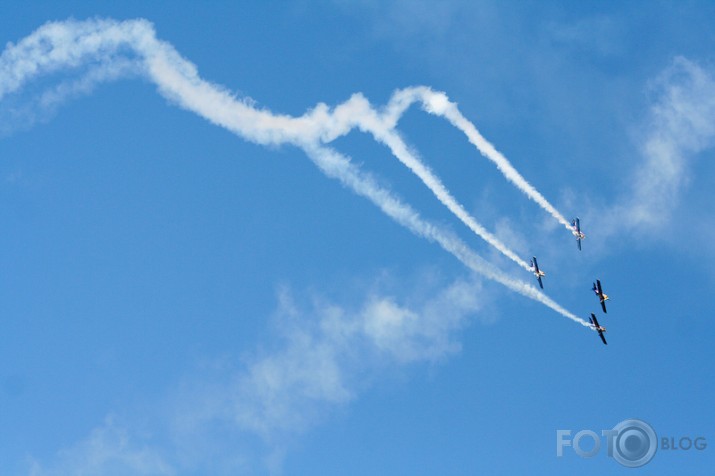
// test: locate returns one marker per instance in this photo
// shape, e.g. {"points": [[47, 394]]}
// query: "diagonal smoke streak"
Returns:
{"points": [[364, 116], [438, 103], [338, 166], [57, 46], [403, 153]]}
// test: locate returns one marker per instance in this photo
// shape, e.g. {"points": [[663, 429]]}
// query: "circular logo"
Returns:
{"points": [[635, 443]]}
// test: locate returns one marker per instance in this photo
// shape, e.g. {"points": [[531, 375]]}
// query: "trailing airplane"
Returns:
{"points": [[601, 296], [598, 328], [576, 230], [537, 272]]}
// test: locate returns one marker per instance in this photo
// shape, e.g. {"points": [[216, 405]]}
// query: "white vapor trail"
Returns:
{"points": [[438, 103], [64, 45], [358, 112], [335, 165]]}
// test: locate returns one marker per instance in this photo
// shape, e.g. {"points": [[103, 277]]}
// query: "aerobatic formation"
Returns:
{"points": [[103, 50]]}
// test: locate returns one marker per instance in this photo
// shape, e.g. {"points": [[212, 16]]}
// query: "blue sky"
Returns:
{"points": [[183, 291]]}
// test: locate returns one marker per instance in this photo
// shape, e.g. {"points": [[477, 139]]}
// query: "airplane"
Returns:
{"points": [[537, 272], [598, 328], [576, 230], [599, 292]]}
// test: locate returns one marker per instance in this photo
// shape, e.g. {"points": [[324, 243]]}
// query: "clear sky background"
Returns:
{"points": [[176, 299]]}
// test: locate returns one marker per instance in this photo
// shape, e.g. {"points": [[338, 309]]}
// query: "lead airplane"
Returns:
{"points": [[597, 327], [537, 272], [576, 231], [601, 296]]}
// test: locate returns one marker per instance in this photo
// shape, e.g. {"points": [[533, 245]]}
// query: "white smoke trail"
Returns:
{"points": [[403, 153], [57, 46], [438, 103], [358, 112], [335, 165]]}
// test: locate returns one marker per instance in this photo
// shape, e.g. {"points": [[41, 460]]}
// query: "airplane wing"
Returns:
{"points": [[537, 271], [600, 296], [597, 326], [579, 244]]}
